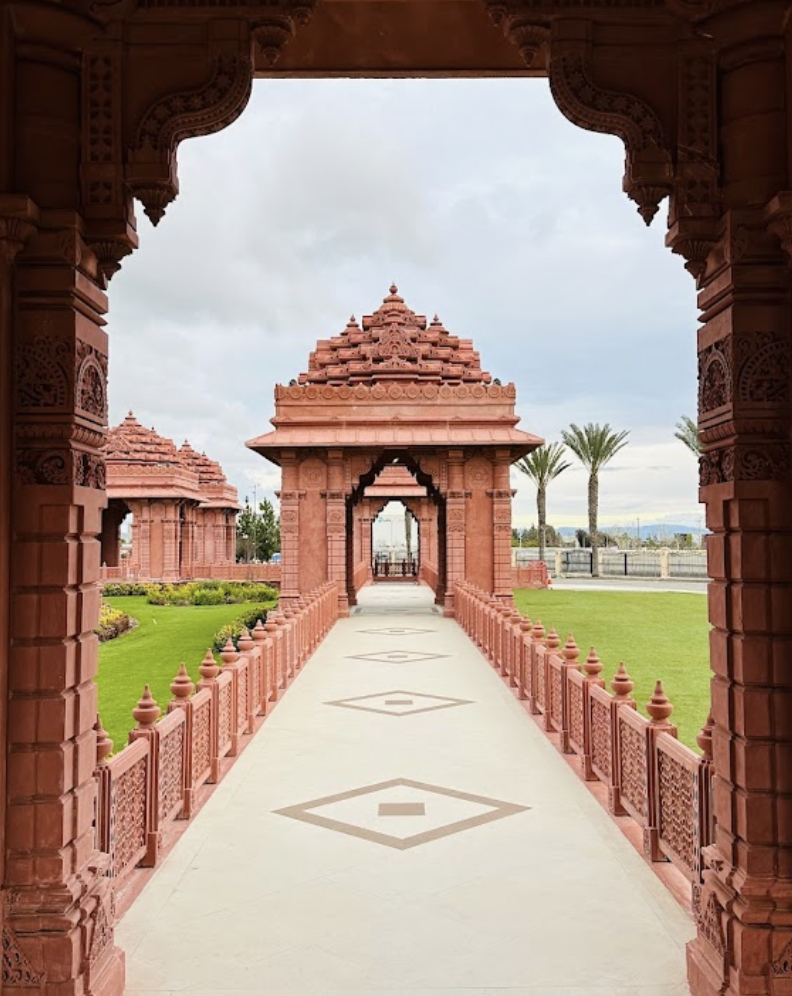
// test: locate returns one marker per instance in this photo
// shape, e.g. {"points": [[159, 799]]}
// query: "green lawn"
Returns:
{"points": [[151, 654], [657, 635]]}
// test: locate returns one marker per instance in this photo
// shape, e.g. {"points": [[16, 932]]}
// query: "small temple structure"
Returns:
{"points": [[395, 408], [183, 508]]}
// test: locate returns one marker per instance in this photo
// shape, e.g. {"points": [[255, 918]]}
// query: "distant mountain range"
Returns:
{"points": [[647, 529]]}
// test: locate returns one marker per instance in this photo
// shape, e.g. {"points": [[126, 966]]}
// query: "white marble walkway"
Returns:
{"points": [[482, 865]]}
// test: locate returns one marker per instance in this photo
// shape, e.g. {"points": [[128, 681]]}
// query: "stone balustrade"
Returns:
{"points": [[268, 573], [532, 575], [156, 779], [664, 786]]}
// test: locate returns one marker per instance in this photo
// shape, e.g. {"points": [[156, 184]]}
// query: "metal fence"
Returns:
{"points": [[642, 563]]}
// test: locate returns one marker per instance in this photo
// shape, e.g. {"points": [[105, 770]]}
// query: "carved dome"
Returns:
{"points": [[132, 443], [394, 344]]}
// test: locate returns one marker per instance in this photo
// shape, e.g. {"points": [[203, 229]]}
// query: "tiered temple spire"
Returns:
{"points": [[394, 344], [183, 506]]}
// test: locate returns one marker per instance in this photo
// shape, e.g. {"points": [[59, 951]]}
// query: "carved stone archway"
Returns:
{"points": [[96, 98], [395, 390]]}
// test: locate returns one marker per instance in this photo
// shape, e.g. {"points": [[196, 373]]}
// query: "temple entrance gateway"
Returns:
{"points": [[98, 98], [395, 407]]}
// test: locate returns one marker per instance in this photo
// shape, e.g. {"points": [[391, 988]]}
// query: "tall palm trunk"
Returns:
{"points": [[541, 509], [593, 502]]}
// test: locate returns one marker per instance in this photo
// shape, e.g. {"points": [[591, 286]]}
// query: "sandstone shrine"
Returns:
{"points": [[183, 508], [395, 408]]}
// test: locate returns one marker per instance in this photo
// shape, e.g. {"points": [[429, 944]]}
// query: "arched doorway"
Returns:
{"points": [[98, 98], [396, 390]]}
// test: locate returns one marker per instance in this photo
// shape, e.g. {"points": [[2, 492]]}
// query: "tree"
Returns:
{"points": [[687, 433], [268, 532], [258, 532], [595, 446], [543, 466]]}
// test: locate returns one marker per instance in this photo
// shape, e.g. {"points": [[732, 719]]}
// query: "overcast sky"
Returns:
{"points": [[483, 204]]}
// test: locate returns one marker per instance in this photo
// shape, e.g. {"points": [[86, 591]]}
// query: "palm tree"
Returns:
{"points": [[543, 466], [687, 433], [594, 445]]}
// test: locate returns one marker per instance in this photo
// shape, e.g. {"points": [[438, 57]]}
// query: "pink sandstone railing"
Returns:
{"points": [[156, 779], [533, 575], [664, 786], [269, 573]]}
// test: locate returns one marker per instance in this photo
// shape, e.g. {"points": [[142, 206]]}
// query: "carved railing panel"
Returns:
{"points": [[632, 771], [225, 713], [170, 776], [128, 824], [576, 699], [201, 737], [682, 804]]}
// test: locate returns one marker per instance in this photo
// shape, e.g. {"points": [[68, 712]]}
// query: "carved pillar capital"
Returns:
{"points": [[18, 216], [778, 215]]}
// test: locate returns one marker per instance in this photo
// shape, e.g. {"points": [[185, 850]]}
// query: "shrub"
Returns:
{"points": [[247, 620], [210, 593], [116, 589], [112, 623], [208, 596]]}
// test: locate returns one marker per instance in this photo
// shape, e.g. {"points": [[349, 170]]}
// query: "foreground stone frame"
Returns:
{"points": [[95, 101]]}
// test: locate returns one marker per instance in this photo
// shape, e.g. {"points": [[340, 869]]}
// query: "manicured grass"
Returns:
{"points": [[657, 635], [167, 636]]}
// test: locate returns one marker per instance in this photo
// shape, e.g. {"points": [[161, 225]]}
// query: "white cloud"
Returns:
{"points": [[481, 201]]}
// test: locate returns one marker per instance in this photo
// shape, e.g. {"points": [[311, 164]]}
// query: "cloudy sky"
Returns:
{"points": [[483, 204]]}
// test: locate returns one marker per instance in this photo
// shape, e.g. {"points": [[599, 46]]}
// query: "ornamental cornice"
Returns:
{"points": [[438, 393]]}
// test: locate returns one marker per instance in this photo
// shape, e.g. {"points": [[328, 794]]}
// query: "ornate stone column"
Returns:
{"points": [[455, 527], [335, 497], [366, 552], [58, 930], [187, 545], [171, 540], [289, 497], [202, 527], [427, 542], [230, 537], [502, 495], [744, 910], [140, 556]]}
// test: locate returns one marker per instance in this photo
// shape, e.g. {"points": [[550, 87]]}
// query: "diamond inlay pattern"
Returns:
{"points": [[399, 703], [397, 631], [371, 812], [396, 657]]}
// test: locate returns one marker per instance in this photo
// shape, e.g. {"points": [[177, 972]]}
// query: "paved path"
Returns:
{"points": [[572, 583], [423, 837]]}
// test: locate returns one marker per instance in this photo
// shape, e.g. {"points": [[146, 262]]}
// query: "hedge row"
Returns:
{"points": [[247, 620], [195, 592]]}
